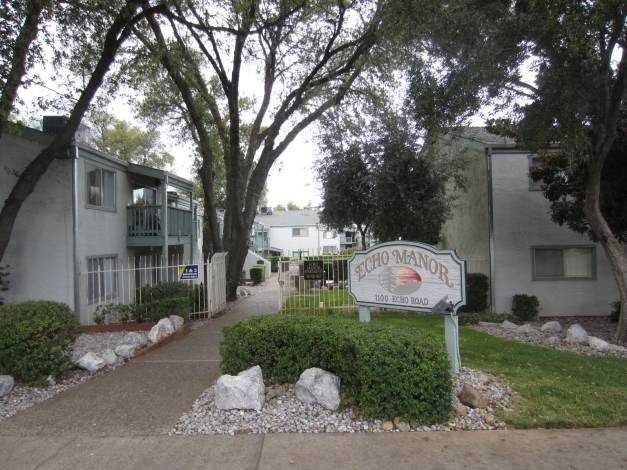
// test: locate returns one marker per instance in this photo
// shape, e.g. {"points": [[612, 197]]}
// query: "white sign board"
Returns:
{"points": [[407, 276], [294, 268]]}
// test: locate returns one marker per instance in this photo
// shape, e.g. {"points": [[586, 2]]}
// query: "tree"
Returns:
{"points": [[279, 208], [292, 207], [112, 28], [386, 181], [309, 55], [19, 28], [580, 51], [129, 143]]}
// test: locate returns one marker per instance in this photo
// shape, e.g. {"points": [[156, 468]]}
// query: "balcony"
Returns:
{"points": [[347, 241], [144, 226]]}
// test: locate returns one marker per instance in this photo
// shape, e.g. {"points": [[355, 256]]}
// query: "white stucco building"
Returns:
{"points": [[502, 227], [294, 233], [89, 216]]}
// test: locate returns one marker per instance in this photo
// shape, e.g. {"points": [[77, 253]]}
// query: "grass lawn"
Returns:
{"points": [[557, 389]]}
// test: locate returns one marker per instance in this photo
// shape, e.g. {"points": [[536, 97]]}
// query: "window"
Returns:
{"points": [[555, 263], [102, 278], [328, 235], [329, 249], [100, 188], [535, 186], [144, 196], [300, 232]]}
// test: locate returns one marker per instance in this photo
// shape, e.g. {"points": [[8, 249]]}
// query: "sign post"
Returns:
{"points": [[411, 276]]}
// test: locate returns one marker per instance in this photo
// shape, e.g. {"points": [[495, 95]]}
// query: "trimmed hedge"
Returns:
{"points": [[526, 307], [274, 263], [152, 312], [387, 371], [258, 273], [477, 288], [36, 340], [152, 303]]}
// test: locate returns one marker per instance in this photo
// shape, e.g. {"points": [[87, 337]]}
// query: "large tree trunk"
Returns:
{"points": [[28, 33], [613, 249], [26, 183]]}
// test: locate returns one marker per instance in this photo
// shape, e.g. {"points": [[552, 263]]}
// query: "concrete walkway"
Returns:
{"points": [[121, 419]]}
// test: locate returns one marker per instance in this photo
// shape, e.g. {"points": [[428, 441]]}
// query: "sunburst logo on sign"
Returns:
{"points": [[400, 280]]}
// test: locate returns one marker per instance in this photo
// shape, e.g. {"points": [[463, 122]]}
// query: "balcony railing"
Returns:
{"points": [[346, 240], [145, 221]]}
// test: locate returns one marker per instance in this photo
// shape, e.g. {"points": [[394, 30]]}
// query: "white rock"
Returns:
{"points": [[551, 326], [126, 350], [508, 325], [91, 361], [50, 381], [245, 391], [6, 384], [552, 340], [156, 333], [576, 334], [318, 386], [242, 292], [597, 343], [615, 347], [177, 322], [167, 326], [132, 337], [526, 329], [109, 357]]}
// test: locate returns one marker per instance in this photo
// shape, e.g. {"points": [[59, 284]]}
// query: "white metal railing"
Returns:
{"points": [[106, 283], [296, 295]]}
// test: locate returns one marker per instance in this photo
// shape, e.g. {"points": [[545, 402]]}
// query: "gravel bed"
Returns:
{"points": [[600, 327], [284, 413]]}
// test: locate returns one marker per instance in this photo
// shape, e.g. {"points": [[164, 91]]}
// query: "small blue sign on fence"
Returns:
{"points": [[188, 272]]}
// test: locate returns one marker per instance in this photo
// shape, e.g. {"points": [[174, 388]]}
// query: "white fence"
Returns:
{"points": [[106, 283]]}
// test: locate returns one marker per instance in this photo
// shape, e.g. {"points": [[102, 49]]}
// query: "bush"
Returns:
{"points": [[274, 263], [261, 262], [340, 269], [387, 371], [113, 313], [4, 284], [257, 274], [152, 312], [165, 290], [615, 312], [36, 340], [477, 288], [242, 277], [472, 318], [526, 307]]}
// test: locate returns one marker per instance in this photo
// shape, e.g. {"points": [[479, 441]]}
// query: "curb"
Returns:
{"points": [[91, 329], [182, 331]]}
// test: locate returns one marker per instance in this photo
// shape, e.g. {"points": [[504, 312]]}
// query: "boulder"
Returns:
{"points": [[242, 292], [461, 410], [615, 347], [471, 397], [91, 361], [489, 419], [402, 426], [177, 322], [488, 324], [156, 333], [387, 425], [483, 378], [126, 350], [551, 340], [508, 325], [597, 343], [551, 326], [245, 391], [6, 384], [109, 357], [318, 386], [132, 337], [526, 329], [167, 326], [576, 334]]}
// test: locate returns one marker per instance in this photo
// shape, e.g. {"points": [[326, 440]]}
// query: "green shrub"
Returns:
{"points": [[477, 288], [274, 263], [165, 290], [472, 318], [113, 313], [260, 261], [242, 277], [387, 371], [526, 307], [284, 258], [36, 340], [257, 274], [152, 312], [615, 312]]}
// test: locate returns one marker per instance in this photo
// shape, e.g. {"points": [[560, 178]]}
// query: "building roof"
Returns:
{"points": [[480, 134], [289, 218]]}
